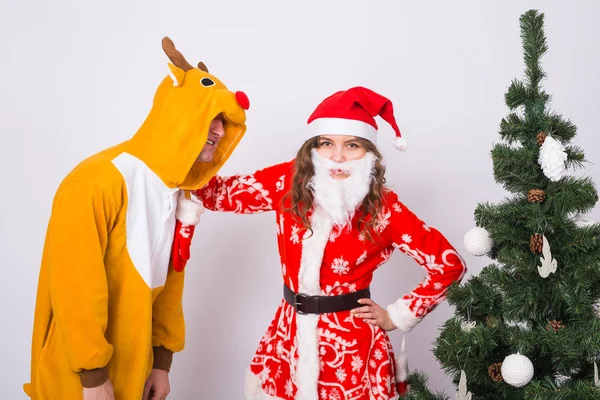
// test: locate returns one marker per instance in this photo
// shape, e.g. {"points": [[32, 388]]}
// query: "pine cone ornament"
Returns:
{"points": [[552, 159], [536, 196], [541, 137], [536, 243], [492, 321], [555, 325], [495, 371]]}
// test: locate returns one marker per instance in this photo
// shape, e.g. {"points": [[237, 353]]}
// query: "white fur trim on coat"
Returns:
{"points": [[188, 211], [253, 388], [401, 316], [308, 366]]}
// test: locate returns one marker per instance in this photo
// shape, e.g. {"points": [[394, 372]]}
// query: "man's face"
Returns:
{"points": [[215, 134]]}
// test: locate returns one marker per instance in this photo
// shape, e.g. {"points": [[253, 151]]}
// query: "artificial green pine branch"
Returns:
{"points": [[534, 47], [419, 389]]}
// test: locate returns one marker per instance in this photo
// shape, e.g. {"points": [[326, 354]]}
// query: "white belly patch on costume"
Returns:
{"points": [[150, 221]]}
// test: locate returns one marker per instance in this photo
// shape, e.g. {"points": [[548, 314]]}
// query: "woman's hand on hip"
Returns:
{"points": [[373, 314]]}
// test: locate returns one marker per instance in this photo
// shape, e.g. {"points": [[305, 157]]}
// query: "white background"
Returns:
{"points": [[77, 77]]}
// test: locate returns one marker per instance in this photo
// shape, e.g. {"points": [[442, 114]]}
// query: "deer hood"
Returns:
{"points": [[176, 129]]}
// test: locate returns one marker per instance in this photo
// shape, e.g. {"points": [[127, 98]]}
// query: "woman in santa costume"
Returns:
{"points": [[336, 224]]}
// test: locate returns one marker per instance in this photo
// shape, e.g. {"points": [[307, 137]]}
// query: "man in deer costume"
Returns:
{"points": [[108, 315]]}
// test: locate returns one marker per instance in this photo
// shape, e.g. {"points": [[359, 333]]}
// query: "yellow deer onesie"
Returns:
{"points": [[108, 301]]}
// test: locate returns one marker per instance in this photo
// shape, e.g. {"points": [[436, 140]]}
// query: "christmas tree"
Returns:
{"points": [[527, 327], [420, 391]]}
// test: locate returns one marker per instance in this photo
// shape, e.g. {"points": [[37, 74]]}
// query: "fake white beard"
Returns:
{"points": [[341, 198]]}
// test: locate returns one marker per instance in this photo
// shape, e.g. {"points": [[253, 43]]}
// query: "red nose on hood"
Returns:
{"points": [[242, 100]]}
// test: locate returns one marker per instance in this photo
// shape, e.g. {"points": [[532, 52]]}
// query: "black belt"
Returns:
{"points": [[305, 304]]}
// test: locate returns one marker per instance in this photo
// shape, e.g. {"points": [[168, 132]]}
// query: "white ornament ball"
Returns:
{"points": [[478, 241], [517, 370]]}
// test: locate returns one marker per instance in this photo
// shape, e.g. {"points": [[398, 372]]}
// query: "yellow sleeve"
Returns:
{"points": [[78, 236], [168, 325]]}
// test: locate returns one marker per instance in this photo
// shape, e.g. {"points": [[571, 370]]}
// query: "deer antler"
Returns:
{"points": [[174, 55]]}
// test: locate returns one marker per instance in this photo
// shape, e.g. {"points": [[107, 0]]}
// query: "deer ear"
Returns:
{"points": [[202, 66], [177, 74]]}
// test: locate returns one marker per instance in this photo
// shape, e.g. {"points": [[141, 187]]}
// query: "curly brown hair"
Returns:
{"points": [[299, 200]]}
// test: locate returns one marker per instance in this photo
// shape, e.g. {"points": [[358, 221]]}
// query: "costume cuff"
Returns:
{"points": [[162, 358], [91, 378], [401, 316]]}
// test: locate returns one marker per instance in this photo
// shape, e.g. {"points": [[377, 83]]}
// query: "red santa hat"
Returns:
{"points": [[352, 113]]}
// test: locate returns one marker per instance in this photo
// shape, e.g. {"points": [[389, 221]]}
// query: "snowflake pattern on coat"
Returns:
{"points": [[340, 266], [355, 360]]}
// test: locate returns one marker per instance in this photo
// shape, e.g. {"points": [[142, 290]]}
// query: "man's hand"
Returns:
{"points": [[157, 386], [102, 392], [373, 314]]}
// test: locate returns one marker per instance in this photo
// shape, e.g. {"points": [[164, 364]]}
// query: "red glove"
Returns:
{"points": [[187, 217], [180, 252]]}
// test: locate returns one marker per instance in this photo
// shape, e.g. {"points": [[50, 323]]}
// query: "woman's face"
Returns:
{"points": [[340, 148]]}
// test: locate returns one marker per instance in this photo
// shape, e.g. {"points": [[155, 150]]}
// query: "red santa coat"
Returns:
{"points": [[334, 356]]}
